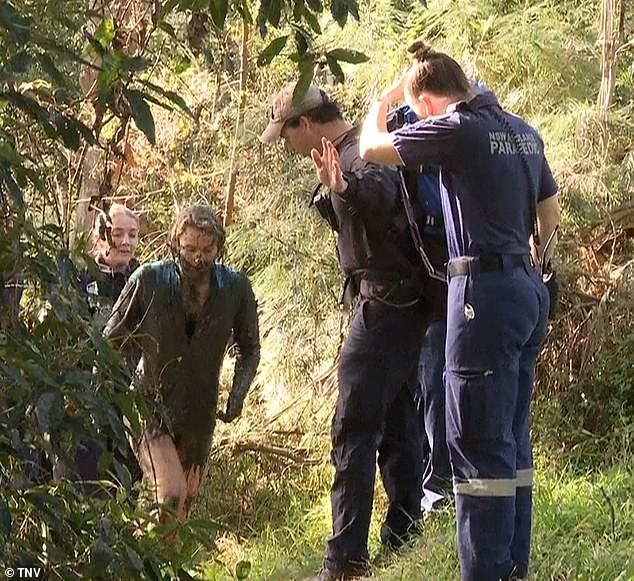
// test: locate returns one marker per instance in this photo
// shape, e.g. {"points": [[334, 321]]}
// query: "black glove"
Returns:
{"points": [[233, 410], [248, 346], [552, 284]]}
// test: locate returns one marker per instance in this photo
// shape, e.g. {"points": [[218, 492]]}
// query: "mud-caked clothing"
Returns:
{"points": [[181, 358], [493, 173]]}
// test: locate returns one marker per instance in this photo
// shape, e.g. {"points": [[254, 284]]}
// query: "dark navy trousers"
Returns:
{"points": [[496, 323], [436, 482], [375, 414]]}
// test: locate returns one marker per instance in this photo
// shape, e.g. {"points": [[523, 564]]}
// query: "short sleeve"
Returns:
{"points": [[548, 186], [428, 142]]}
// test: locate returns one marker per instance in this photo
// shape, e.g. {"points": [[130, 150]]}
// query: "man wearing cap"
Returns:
{"points": [[375, 411]]}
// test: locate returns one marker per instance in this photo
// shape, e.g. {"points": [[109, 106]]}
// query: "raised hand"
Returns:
{"points": [[395, 93], [328, 167]]}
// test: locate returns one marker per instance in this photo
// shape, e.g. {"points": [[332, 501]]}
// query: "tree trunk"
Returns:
{"points": [[92, 174], [130, 20], [611, 22], [233, 169]]}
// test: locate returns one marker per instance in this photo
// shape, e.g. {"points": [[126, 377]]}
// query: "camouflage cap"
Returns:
{"points": [[282, 109]]}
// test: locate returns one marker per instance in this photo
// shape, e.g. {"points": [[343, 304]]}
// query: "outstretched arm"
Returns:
{"points": [[362, 184], [247, 337]]}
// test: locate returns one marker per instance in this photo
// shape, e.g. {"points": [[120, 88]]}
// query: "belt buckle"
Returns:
{"points": [[458, 267]]}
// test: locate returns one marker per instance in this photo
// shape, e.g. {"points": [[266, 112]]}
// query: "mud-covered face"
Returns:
{"points": [[197, 251]]}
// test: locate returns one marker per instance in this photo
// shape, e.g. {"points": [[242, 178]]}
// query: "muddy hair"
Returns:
{"points": [[435, 72], [199, 216]]}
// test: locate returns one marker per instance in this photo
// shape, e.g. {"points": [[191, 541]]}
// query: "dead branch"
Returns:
{"points": [[297, 456]]}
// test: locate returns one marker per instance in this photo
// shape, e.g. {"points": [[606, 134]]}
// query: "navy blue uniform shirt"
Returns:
{"points": [[486, 202]]}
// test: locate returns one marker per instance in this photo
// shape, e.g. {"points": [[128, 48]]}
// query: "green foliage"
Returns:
{"points": [[277, 517], [105, 33], [142, 114], [540, 58], [589, 421], [272, 50], [45, 375]]}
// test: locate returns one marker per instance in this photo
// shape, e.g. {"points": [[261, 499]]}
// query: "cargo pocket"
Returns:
{"points": [[472, 331], [481, 405], [456, 298]]}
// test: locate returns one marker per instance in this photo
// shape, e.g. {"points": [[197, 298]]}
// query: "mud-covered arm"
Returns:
{"points": [[247, 338]]}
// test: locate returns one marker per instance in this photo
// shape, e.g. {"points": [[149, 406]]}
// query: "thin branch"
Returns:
{"points": [[233, 171], [297, 456]]}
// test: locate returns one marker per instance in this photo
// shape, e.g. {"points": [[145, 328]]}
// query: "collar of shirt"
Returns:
{"points": [[484, 99], [105, 268], [340, 139], [453, 106]]}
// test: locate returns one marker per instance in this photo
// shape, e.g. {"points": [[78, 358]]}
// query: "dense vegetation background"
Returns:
{"points": [[160, 103]]}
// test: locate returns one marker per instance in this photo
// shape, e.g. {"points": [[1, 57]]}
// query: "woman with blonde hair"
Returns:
{"points": [[115, 239]]}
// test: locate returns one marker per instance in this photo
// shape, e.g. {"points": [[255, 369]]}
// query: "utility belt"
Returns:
{"points": [[401, 293], [486, 263]]}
